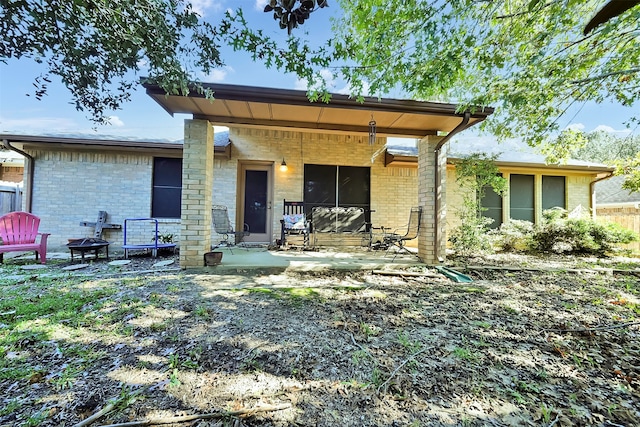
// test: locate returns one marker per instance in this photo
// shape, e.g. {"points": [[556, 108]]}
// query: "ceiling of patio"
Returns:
{"points": [[252, 106]]}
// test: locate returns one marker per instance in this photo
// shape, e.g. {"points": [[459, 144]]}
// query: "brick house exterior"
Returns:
{"points": [[74, 178]]}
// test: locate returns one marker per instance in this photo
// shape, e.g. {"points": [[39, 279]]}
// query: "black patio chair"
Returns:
{"points": [[398, 240], [223, 227], [294, 222]]}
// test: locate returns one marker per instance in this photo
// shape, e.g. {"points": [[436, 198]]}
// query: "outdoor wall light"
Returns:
{"points": [[283, 166]]}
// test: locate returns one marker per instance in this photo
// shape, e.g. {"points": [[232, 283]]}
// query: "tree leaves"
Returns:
{"points": [[289, 16], [98, 49]]}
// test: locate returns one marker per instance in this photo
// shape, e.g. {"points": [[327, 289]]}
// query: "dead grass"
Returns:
{"points": [[514, 347]]}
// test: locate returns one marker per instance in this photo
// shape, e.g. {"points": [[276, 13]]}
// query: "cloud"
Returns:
{"points": [[260, 4], [603, 128], [115, 121], [609, 129], [201, 6], [36, 125], [218, 75], [576, 126]]}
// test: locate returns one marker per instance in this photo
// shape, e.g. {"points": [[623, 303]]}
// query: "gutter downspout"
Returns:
{"points": [[28, 187], [438, 204], [592, 190]]}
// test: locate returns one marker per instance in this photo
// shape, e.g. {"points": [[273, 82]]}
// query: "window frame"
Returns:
{"points": [[165, 185]]}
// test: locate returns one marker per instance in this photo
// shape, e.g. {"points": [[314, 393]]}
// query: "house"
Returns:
{"points": [[336, 154], [532, 185], [11, 166]]}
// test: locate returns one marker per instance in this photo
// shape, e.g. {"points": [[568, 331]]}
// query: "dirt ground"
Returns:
{"points": [[514, 347]]}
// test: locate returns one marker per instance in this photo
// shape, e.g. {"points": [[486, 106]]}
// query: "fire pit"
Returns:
{"points": [[88, 244]]}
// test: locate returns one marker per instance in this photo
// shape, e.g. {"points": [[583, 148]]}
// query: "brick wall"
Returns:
{"points": [[393, 190], [70, 187], [578, 192], [11, 173]]}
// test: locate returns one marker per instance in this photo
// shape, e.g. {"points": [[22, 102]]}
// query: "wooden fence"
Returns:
{"points": [[628, 217], [10, 197]]}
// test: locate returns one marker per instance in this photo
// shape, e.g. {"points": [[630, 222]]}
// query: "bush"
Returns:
{"points": [[562, 235], [513, 236], [471, 236]]}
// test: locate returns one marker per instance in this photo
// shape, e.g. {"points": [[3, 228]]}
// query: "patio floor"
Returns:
{"points": [[323, 259]]}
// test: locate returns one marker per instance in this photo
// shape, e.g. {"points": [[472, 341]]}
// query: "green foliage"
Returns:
{"points": [[631, 170], [513, 236], [470, 237], [529, 59], [623, 153], [288, 15], [475, 174], [98, 49], [563, 235]]}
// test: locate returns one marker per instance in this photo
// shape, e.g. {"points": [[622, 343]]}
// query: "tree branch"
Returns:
{"points": [[186, 418], [604, 76]]}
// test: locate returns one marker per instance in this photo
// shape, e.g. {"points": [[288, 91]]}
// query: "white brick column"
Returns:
{"points": [[431, 197], [197, 193]]}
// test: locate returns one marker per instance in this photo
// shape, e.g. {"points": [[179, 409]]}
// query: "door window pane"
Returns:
{"points": [[166, 197], [553, 192], [522, 197]]}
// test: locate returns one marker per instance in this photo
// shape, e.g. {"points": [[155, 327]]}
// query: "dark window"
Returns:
{"points": [[491, 205], [319, 186], [344, 186], [353, 188], [522, 197], [166, 199], [553, 192]]}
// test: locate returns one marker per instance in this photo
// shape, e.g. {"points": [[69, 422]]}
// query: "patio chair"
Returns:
{"points": [[19, 232], [398, 240], [294, 222], [223, 227]]}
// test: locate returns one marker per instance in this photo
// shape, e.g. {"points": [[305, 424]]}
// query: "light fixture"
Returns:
{"points": [[283, 166], [372, 131]]}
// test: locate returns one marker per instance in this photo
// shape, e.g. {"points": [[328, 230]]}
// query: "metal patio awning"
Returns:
{"points": [[252, 106]]}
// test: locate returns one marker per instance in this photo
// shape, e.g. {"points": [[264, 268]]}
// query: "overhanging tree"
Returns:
{"points": [[98, 48], [528, 58]]}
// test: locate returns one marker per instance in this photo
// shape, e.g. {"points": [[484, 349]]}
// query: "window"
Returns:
{"points": [[522, 197], [491, 205], [345, 186], [166, 198], [553, 192]]}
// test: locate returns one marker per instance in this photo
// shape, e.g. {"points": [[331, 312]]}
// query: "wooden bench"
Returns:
{"points": [[19, 233], [341, 221]]}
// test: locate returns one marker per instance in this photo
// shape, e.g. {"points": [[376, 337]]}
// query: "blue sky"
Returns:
{"points": [[143, 118]]}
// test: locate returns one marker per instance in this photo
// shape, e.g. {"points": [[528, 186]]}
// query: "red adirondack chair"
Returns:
{"points": [[19, 232]]}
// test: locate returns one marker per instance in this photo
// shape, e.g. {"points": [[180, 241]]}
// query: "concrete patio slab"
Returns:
{"points": [[325, 259]]}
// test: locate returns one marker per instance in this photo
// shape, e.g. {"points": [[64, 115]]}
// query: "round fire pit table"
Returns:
{"points": [[88, 244]]}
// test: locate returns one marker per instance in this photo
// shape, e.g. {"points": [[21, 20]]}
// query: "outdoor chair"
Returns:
{"points": [[294, 222], [19, 233], [222, 226], [398, 240]]}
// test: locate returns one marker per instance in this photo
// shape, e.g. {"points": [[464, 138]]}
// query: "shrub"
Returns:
{"points": [[513, 236], [559, 234], [471, 236]]}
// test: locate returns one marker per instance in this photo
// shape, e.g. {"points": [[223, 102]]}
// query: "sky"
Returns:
{"points": [[142, 118]]}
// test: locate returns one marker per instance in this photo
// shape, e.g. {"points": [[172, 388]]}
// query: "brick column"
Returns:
{"points": [[197, 191], [432, 244]]}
